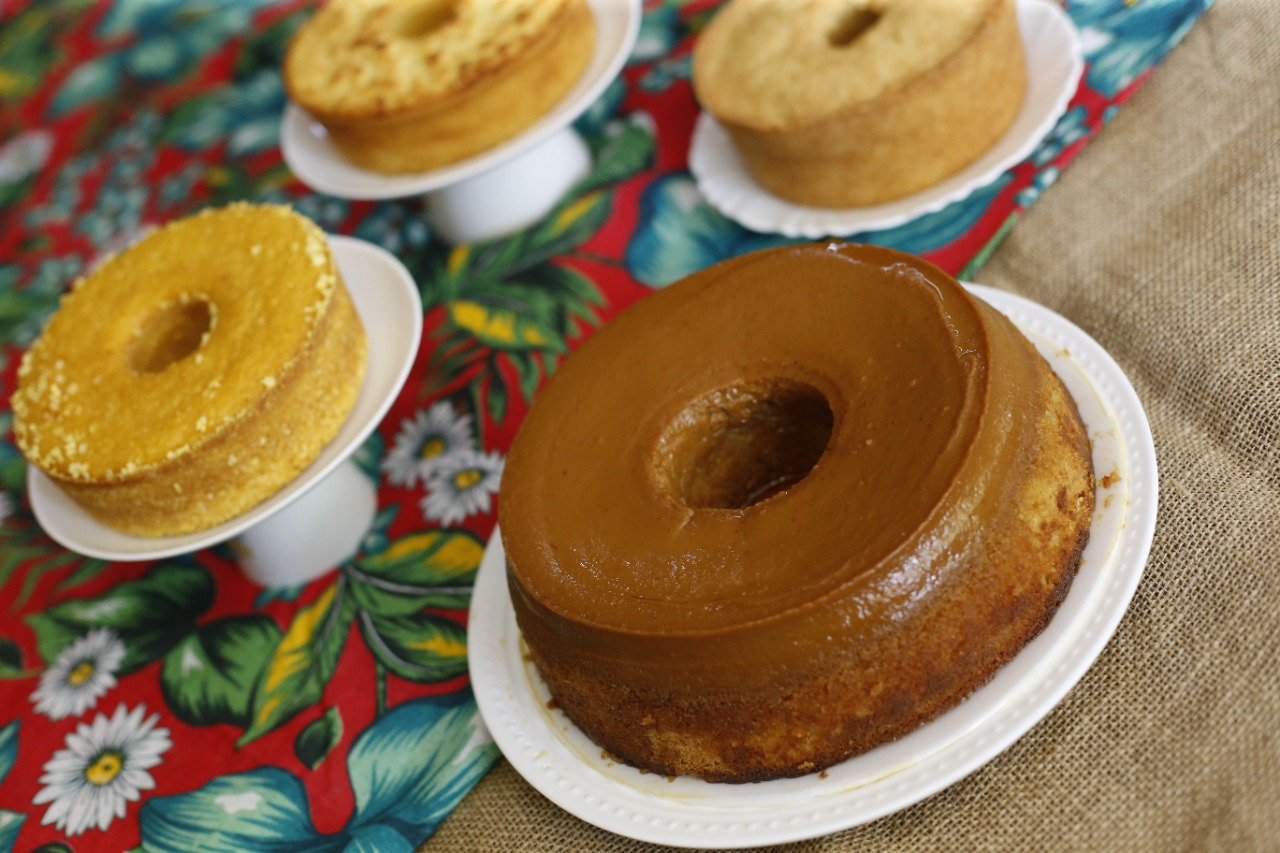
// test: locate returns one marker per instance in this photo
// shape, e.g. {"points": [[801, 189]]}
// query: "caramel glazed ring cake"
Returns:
{"points": [[846, 103], [412, 85], [788, 509], [193, 375]]}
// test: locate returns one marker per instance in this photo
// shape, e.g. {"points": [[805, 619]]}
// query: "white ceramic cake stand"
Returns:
{"points": [[1055, 61], [558, 759], [317, 520], [500, 190]]}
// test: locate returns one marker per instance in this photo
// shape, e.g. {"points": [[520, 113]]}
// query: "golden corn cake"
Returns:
{"points": [[788, 509], [412, 85], [193, 375], [846, 103]]}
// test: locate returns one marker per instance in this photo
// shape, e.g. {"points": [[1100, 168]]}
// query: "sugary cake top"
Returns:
{"points": [[367, 58], [782, 64], [166, 345]]}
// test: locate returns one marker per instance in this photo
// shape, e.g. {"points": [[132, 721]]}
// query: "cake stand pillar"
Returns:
{"points": [[313, 534], [510, 196]]}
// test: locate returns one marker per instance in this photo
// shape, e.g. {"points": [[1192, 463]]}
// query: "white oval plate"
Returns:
{"points": [[390, 308], [1055, 61], [315, 161], [568, 768]]}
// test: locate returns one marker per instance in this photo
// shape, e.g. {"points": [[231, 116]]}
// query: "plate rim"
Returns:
{"points": [[313, 161], [63, 520], [724, 182], [1039, 686]]}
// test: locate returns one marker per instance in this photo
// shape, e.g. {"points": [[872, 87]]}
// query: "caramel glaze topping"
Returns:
{"points": [[763, 465]]}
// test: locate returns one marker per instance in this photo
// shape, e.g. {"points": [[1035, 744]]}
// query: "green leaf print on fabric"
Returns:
{"points": [[430, 569], [501, 327], [368, 456], [8, 748], [10, 821], [151, 614], [302, 662], [507, 306], [25, 305], [254, 811], [625, 147], [408, 770], [209, 676], [11, 659], [509, 310], [24, 545], [13, 469], [89, 82], [433, 568], [154, 43], [418, 647], [317, 740], [29, 45], [389, 594]]}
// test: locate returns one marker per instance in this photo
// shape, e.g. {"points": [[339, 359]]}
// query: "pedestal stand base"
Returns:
{"points": [[313, 534], [511, 196]]}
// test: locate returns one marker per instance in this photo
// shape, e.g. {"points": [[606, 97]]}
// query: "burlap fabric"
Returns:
{"points": [[1162, 241]]}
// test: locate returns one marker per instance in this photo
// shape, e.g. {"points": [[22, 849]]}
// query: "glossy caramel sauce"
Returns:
{"points": [[761, 464]]}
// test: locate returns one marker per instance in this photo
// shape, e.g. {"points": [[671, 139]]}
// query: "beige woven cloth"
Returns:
{"points": [[1162, 241]]}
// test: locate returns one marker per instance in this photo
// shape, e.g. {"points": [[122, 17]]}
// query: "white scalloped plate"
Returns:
{"points": [[387, 300], [561, 762], [306, 147], [1055, 61]]}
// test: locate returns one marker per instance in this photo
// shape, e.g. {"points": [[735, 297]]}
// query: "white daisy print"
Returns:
{"points": [[104, 766], [424, 441], [83, 672], [461, 485]]}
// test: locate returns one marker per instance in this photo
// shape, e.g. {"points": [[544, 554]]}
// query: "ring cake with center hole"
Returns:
{"points": [[190, 377], [848, 103], [412, 86], [790, 508]]}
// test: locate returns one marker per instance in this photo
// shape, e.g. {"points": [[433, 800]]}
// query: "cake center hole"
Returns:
{"points": [[170, 335], [853, 24], [739, 445], [422, 18]]}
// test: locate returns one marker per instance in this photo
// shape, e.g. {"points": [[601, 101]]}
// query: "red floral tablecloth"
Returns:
{"points": [[174, 704]]}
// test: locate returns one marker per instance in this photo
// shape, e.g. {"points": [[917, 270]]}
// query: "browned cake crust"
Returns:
{"points": [[190, 377], [689, 634], [891, 687], [412, 86], [923, 91]]}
